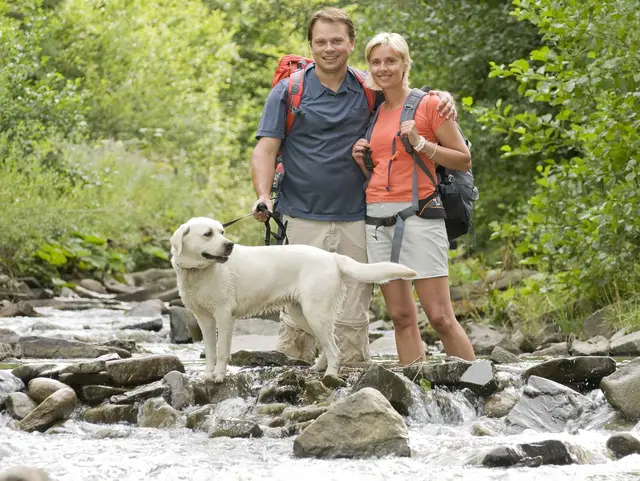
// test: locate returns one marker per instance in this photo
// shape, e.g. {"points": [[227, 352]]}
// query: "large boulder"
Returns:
{"points": [[57, 407], [628, 345], [398, 390], [583, 372], [622, 389], [367, 424], [141, 370]]}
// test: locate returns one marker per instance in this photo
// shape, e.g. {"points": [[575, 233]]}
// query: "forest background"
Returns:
{"points": [[121, 119]]}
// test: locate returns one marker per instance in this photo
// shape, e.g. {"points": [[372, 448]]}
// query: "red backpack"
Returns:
{"points": [[293, 67]]}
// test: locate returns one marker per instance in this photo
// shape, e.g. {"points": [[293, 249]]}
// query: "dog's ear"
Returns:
{"points": [[176, 240]]}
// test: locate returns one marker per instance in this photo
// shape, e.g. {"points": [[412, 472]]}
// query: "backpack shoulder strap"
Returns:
{"points": [[408, 113], [294, 95], [362, 79]]}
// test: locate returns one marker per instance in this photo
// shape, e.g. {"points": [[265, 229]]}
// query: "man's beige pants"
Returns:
{"points": [[352, 329]]}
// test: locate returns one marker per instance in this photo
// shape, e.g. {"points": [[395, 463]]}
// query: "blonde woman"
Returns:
{"points": [[424, 245]]}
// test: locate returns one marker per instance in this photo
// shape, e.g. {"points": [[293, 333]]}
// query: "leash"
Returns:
{"points": [[280, 236]]}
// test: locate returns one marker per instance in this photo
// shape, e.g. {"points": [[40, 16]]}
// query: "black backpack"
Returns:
{"points": [[455, 189]]}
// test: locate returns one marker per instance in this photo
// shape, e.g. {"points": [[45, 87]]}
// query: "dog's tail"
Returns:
{"points": [[376, 273]]}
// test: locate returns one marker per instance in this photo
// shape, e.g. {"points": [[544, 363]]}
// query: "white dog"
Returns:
{"points": [[220, 282]]}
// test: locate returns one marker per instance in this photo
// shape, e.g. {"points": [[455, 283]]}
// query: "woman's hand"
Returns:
{"points": [[409, 131], [357, 152]]}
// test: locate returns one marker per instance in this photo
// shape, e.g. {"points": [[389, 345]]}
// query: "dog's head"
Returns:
{"points": [[200, 242]]}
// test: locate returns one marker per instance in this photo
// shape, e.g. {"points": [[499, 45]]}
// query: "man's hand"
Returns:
{"points": [[447, 106], [259, 215], [357, 152]]}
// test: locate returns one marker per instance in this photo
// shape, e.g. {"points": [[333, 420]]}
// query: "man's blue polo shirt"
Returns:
{"points": [[322, 181]]}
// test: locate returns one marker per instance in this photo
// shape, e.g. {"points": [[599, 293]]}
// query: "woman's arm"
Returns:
{"points": [[452, 152]]}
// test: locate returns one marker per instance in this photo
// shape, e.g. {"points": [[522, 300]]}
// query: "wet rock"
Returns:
{"points": [[368, 425], [444, 374], [484, 429], [142, 393], [502, 356], [114, 287], [93, 285], [271, 409], [9, 384], [235, 428], [89, 294], [485, 338], [181, 389], [156, 413], [555, 349], [234, 385], [480, 378], [90, 367], [598, 324], [95, 394], [581, 373], [546, 406], [596, 346], [57, 407], [184, 326], [624, 444], [622, 389], [315, 391], [280, 394], [398, 390], [123, 348], [197, 417], [154, 325], [27, 372], [9, 344], [24, 473], [53, 348], [111, 414], [19, 405], [141, 370], [303, 414], [333, 382], [500, 404], [264, 358], [546, 452], [150, 308], [41, 388], [628, 345], [85, 379], [18, 309]]}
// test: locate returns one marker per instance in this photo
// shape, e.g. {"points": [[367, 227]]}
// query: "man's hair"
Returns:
{"points": [[334, 15]]}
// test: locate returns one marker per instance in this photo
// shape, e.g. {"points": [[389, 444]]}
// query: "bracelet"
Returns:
{"points": [[434, 151], [421, 143]]}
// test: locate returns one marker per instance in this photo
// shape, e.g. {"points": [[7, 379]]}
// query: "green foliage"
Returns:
{"points": [[583, 127]]}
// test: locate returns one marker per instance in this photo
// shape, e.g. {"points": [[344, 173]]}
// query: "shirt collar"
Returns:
{"points": [[316, 89]]}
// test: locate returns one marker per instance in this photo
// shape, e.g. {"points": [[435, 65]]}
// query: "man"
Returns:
{"points": [[322, 197]]}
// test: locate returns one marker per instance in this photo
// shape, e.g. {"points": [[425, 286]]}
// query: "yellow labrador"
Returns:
{"points": [[220, 281]]}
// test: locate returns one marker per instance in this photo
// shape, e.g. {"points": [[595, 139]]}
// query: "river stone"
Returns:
{"points": [[480, 378], [57, 407], [85, 379], [197, 417], [584, 372], [551, 451], [555, 349], [9, 384], [41, 388], [368, 425], [111, 414], [306, 413], [235, 385], [9, 344], [546, 406], [315, 391], [90, 367], [142, 393], [18, 405], [181, 389], [502, 356], [183, 326], [597, 324], [93, 395], [624, 444], [264, 358], [93, 285], [156, 413], [398, 390], [24, 473], [500, 404], [596, 346], [154, 325], [27, 372], [444, 374], [622, 389], [18, 309], [150, 308], [628, 345], [484, 338], [234, 428], [53, 348], [141, 370]]}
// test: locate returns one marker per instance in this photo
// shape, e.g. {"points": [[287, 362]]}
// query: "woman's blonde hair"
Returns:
{"points": [[399, 45]]}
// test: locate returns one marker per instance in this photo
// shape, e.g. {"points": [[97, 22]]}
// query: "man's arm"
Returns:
{"points": [[263, 168]]}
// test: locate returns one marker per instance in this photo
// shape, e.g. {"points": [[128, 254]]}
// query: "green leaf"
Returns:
{"points": [[468, 101], [506, 148]]}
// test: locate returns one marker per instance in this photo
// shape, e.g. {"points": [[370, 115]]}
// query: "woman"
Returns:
{"points": [[424, 245]]}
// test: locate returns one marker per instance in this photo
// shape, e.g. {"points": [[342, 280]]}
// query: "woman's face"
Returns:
{"points": [[386, 66]]}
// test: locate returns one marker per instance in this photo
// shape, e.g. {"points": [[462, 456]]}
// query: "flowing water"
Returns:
{"points": [[440, 434]]}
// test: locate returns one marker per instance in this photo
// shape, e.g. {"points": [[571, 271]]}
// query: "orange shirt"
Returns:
{"points": [[399, 178]]}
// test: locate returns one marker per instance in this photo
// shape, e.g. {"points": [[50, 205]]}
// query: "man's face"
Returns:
{"points": [[331, 46]]}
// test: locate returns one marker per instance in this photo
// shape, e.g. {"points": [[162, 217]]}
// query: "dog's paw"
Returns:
{"points": [[319, 366], [218, 377]]}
